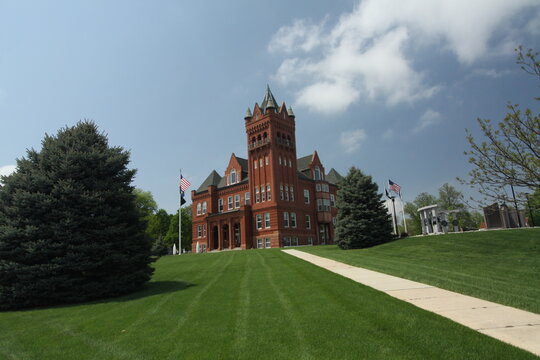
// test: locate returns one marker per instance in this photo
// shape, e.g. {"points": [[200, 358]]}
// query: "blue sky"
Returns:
{"points": [[387, 86]]}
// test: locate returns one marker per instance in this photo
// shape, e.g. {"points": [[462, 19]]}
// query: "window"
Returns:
{"points": [[281, 191], [263, 193], [286, 241], [236, 201], [293, 220], [259, 221], [326, 204], [266, 160], [199, 209], [268, 193], [292, 193], [279, 160], [199, 230], [204, 230], [319, 205], [246, 198], [261, 162], [286, 219], [266, 220], [255, 164], [317, 173], [294, 241], [204, 207], [229, 203], [306, 196], [267, 243], [259, 243], [257, 195], [325, 188], [233, 176], [308, 222], [332, 200], [318, 187], [310, 240], [286, 192], [334, 221], [290, 163], [220, 205]]}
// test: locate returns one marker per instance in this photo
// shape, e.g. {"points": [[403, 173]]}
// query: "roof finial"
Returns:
{"points": [[248, 114], [290, 112]]}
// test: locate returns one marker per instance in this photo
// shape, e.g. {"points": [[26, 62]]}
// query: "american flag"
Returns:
{"points": [[394, 187], [184, 183]]}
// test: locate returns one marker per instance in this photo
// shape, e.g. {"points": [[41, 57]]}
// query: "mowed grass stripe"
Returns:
{"points": [[499, 266], [253, 304]]}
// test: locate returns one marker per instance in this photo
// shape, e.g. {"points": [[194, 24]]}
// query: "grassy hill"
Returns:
{"points": [[256, 304], [501, 266]]}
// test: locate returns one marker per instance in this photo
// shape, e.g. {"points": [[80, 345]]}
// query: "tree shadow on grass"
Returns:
{"points": [[151, 288]]}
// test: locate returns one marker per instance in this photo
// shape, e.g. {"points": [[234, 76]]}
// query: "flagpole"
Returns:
{"points": [[403, 213], [180, 218]]}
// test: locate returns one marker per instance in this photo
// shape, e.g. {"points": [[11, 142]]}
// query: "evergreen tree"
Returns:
{"points": [[69, 226], [362, 220]]}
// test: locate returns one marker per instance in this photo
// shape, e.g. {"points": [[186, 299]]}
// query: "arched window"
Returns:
{"points": [[204, 207], [233, 177], [199, 209], [259, 137], [265, 135], [317, 173]]}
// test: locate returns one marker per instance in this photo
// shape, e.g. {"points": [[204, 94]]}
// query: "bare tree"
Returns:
{"points": [[510, 154]]}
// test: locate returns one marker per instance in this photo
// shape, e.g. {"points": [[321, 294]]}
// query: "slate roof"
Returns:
{"points": [[303, 162], [212, 179], [269, 101], [333, 177]]}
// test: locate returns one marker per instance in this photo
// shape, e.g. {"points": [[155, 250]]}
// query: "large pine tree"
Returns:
{"points": [[69, 227], [362, 220]]}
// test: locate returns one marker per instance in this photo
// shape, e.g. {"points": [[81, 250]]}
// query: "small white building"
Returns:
{"points": [[434, 220]]}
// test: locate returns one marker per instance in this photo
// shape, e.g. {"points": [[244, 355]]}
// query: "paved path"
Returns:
{"points": [[513, 326]]}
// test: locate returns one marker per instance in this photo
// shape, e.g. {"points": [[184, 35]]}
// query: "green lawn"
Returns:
{"points": [[256, 304], [500, 266]]}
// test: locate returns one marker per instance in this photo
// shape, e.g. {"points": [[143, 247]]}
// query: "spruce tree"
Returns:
{"points": [[69, 227], [362, 219]]}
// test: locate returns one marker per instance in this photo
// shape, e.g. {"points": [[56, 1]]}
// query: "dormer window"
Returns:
{"points": [[317, 173], [232, 177]]}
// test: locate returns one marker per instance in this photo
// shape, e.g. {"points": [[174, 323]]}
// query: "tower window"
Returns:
{"points": [[199, 209], [204, 206]]}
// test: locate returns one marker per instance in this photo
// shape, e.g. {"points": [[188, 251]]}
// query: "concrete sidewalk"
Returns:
{"points": [[513, 326]]}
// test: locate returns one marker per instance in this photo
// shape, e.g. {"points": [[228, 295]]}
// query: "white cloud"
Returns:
{"points": [[492, 73], [367, 53], [351, 140], [429, 118], [7, 169], [300, 35]]}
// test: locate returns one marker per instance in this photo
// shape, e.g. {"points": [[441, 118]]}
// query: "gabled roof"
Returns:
{"points": [[333, 177], [243, 163], [303, 162], [303, 176], [212, 179]]}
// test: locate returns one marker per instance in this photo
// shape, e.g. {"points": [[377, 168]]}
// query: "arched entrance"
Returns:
{"points": [[225, 236], [215, 237]]}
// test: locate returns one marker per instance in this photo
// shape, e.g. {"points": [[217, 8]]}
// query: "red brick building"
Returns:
{"points": [[270, 199]]}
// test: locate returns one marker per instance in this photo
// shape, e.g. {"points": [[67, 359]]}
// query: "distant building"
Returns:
{"points": [[502, 217], [272, 198]]}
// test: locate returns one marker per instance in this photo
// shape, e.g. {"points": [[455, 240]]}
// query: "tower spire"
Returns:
{"points": [[268, 102]]}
